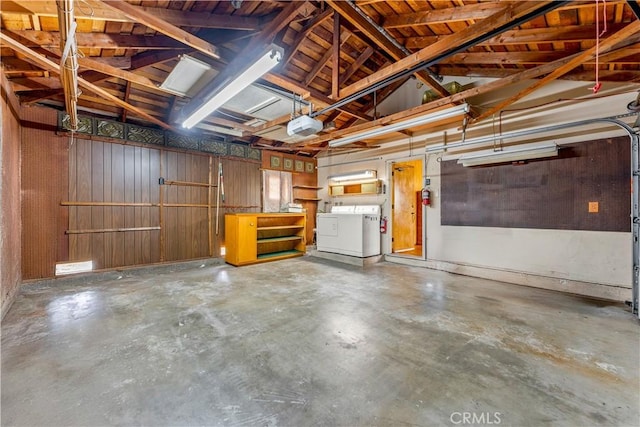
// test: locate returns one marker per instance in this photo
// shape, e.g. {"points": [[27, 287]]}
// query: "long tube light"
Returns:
{"points": [[406, 124], [511, 154], [350, 176], [227, 91]]}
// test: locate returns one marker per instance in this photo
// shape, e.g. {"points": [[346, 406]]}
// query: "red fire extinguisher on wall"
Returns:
{"points": [[426, 197], [383, 224]]}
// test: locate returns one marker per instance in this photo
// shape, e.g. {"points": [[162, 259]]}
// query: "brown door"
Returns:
{"points": [[403, 208]]}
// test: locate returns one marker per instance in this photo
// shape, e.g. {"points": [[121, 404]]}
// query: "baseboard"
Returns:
{"points": [[594, 290]]}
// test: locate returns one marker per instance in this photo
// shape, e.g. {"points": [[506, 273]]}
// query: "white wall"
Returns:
{"points": [[586, 262]]}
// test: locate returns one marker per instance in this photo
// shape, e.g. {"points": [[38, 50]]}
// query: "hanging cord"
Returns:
{"points": [[599, 34], [91, 12]]}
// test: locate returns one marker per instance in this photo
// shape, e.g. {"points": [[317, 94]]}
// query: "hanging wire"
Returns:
{"points": [[599, 34], [91, 12]]}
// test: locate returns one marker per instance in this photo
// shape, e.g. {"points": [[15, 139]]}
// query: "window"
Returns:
{"points": [[277, 190]]}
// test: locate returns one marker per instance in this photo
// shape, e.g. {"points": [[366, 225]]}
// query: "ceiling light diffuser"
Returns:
{"points": [[229, 88], [402, 125]]}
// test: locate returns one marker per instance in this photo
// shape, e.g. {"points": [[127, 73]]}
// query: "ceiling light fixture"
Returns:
{"points": [[228, 88], [405, 124], [350, 176], [184, 76], [510, 154]]}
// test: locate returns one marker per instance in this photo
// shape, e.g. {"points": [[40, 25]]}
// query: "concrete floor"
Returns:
{"points": [[313, 342]]}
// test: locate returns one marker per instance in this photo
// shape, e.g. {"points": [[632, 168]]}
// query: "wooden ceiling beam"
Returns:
{"points": [[587, 55], [334, 52], [49, 39], [302, 35], [443, 16], [322, 62], [441, 102], [104, 68], [274, 26], [156, 23], [569, 33], [51, 66], [355, 66], [503, 58], [310, 94], [509, 13], [99, 11], [346, 10]]}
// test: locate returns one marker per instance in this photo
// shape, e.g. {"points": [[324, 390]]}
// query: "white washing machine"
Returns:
{"points": [[349, 230]]}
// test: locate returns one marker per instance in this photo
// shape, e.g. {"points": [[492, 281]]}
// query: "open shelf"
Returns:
{"points": [[280, 254], [279, 239], [261, 237], [281, 227], [307, 187], [307, 199]]}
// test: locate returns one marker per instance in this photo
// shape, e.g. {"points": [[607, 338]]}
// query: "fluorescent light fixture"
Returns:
{"points": [[351, 176], [406, 124], [228, 90], [187, 72], [510, 154]]}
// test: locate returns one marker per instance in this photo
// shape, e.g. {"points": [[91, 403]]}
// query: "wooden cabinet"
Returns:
{"points": [[259, 237], [355, 188]]}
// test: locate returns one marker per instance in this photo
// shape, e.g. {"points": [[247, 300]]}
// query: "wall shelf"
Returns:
{"points": [[307, 193], [355, 188], [259, 237], [307, 187]]}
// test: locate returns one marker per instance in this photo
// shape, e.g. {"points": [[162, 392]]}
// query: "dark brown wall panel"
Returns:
{"points": [[93, 172], [104, 172], [44, 172], [10, 221], [549, 193], [186, 226]]}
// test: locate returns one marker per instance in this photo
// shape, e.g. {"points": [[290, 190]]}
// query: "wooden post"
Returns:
{"points": [[209, 197], [160, 206]]}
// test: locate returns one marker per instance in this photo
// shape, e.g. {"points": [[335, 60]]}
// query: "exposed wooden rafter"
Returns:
{"points": [[51, 66], [346, 10], [98, 10], [605, 45], [152, 21], [508, 13]]}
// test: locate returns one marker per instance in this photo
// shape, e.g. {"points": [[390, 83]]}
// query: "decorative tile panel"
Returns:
{"points": [[146, 135], [182, 141], [299, 166], [85, 124], [309, 167], [276, 162], [237, 150], [110, 129], [254, 153], [213, 146], [118, 130]]}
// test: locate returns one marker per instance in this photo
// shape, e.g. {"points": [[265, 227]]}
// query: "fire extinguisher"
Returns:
{"points": [[426, 196], [383, 224]]}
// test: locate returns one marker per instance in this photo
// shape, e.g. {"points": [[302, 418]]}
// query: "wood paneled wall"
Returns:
{"points": [[127, 177], [10, 222], [89, 199], [300, 178], [45, 178]]}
